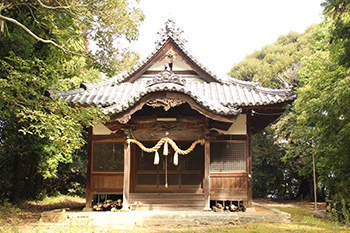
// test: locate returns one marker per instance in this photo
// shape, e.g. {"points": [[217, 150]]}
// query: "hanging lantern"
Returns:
{"points": [[156, 158], [176, 159], [165, 151]]}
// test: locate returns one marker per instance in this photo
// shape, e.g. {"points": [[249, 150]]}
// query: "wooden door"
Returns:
{"points": [[186, 176]]}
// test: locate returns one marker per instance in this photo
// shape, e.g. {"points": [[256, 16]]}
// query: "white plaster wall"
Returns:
{"points": [[100, 129], [239, 127], [177, 65]]}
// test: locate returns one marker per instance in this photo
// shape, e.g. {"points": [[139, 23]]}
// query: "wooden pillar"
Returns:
{"points": [[207, 175], [126, 184], [249, 161], [88, 175]]}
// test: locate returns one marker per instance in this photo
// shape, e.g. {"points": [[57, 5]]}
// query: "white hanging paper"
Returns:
{"points": [[156, 158], [165, 152], [176, 159]]}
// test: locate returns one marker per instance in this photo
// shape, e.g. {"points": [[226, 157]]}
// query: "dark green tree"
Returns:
{"points": [[281, 165], [323, 102], [44, 46], [268, 172], [264, 66]]}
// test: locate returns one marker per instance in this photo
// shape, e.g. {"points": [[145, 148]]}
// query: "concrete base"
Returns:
{"points": [[250, 210], [87, 209], [57, 216], [125, 210], [127, 218]]}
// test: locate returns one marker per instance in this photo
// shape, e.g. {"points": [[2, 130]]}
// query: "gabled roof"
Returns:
{"points": [[220, 95]]}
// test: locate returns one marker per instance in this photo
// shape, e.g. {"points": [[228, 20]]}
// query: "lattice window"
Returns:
{"points": [[145, 160], [108, 157], [227, 156], [192, 161]]}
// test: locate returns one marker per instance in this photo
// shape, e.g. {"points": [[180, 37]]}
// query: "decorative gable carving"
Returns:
{"points": [[166, 104], [170, 31], [166, 76]]}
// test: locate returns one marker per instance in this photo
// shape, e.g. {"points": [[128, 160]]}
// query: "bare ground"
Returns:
{"points": [[28, 218], [31, 212]]}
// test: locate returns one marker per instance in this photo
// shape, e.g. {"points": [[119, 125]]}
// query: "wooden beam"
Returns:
{"points": [[108, 138], [113, 125], [176, 123], [207, 175], [229, 138], [175, 135], [126, 116], [220, 125], [126, 184], [181, 72], [249, 161], [88, 175]]}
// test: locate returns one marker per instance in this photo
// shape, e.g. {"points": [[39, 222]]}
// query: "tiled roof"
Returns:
{"points": [[224, 96], [219, 98]]}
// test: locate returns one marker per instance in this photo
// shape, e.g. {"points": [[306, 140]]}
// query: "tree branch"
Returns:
{"points": [[27, 30], [53, 7]]}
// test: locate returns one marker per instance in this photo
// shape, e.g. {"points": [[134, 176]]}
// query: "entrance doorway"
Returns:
{"points": [[187, 176]]}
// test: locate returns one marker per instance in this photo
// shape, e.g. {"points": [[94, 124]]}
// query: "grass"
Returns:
{"points": [[11, 220], [302, 220]]}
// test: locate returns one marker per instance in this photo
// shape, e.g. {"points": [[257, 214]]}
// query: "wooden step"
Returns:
{"points": [[166, 201]]}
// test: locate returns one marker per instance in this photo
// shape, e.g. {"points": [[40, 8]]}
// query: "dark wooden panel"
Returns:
{"points": [[228, 186], [101, 182]]}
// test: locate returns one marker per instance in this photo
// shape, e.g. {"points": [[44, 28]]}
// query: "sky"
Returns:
{"points": [[221, 33]]}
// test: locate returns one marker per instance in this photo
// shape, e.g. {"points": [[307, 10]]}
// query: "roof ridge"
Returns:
{"points": [[256, 85], [171, 32]]}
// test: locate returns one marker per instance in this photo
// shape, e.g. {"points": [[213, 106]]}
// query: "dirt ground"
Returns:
{"points": [[31, 213], [28, 219], [291, 203]]}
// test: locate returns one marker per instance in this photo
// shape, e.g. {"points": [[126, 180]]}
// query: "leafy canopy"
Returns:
{"points": [[265, 65], [44, 46]]}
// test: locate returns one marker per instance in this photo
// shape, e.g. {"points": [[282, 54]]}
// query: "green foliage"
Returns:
{"points": [[339, 210], [281, 163], [265, 65], [323, 102], [323, 116], [44, 47], [268, 172], [337, 13]]}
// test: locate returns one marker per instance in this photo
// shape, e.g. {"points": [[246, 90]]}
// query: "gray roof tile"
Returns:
{"points": [[220, 98], [224, 96]]}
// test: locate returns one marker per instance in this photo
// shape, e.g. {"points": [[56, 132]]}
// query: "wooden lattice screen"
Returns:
{"points": [[226, 156], [108, 157], [192, 161], [188, 172]]}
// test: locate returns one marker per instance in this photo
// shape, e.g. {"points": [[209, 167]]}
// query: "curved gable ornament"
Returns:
{"points": [[170, 31], [166, 76]]}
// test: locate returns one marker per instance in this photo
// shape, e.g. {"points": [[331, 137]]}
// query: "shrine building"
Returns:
{"points": [[179, 136]]}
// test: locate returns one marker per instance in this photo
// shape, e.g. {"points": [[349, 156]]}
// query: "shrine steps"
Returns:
{"points": [[166, 201]]}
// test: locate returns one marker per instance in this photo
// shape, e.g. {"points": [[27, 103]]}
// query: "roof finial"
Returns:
{"points": [[171, 31]]}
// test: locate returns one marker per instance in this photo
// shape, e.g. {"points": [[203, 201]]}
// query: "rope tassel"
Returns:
{"points": [[176, 159], [165, 152], [156, 158]]}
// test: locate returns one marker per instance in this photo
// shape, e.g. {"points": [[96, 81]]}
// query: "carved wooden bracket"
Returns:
{"points": [[165, 103], [125, 119]]}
